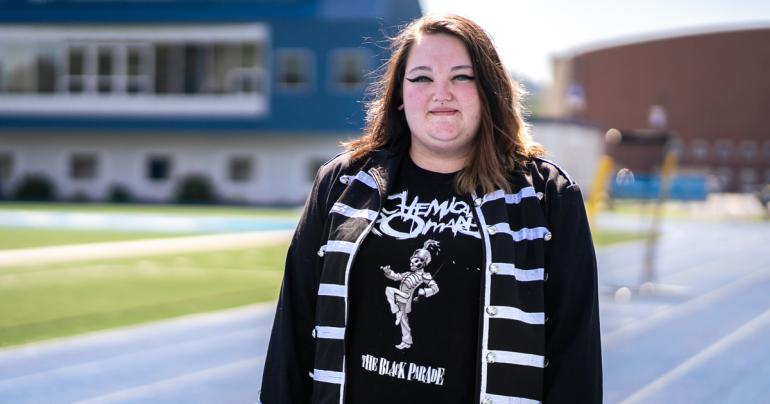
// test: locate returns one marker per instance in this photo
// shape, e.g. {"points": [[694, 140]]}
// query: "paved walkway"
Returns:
{"points": [[147, 247]]}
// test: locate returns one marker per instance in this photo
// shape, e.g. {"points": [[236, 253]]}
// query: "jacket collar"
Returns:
{"points": [[383, 167]]}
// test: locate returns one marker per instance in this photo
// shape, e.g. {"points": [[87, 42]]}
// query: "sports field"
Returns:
{"points": [[43, 301]]}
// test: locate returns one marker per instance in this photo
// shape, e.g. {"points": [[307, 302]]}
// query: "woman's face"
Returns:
{"points": [[441, 100]]}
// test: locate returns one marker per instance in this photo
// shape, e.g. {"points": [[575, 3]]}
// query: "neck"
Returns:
{"points": [[437, 164]]}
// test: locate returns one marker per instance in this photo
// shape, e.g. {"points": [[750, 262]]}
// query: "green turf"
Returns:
{"points": [[607, 237], [48, 301], [27, 238], [204, 210]]}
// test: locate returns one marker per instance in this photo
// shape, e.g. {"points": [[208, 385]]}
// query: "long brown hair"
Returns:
{"points": [[502, 143]]}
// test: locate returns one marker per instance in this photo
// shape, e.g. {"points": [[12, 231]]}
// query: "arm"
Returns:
{"points": [[392, 275], [429, 291], [290, 354], [573, 344]]}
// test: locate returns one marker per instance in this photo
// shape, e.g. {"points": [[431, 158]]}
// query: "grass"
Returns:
{"points": [[198, 210], [605, 237], [49, 301], [28, 238]]}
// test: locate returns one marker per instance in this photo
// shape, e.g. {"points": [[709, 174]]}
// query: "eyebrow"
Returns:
{"points": [[426, 68]]}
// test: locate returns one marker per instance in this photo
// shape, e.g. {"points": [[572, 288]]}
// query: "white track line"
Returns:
{"points": [[175, 382], [683, 309], [122, 249], [699, 359]]}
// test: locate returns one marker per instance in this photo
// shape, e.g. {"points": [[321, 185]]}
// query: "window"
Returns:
{"points": [[6, 166], [724, 149], [766, 150], [295, 67], [83, 166], [699, 149], [725, 177], [160, 70], [158, 168], [240, 169], [748, 149], [749, 178], [349, 68], [26, 68]]}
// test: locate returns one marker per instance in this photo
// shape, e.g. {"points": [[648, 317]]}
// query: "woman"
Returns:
{"points": [[439, 259]]}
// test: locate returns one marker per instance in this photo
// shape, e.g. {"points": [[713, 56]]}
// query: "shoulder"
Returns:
{"points": [[550, 171], [553, 181]]}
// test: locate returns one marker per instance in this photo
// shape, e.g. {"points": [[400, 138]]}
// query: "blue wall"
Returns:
{"points": [[295, 24]]}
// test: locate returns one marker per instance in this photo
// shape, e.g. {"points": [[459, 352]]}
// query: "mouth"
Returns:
{"points": [[442, 111]]}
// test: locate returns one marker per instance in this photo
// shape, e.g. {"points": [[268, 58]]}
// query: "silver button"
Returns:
{"points": [[491, 230], [493, 268], [491, 357], [545, 363], [313, 333], [486, 401], [344, 179], [492, 310], [545, 277], [321, 252], [547, 236], [540, 195], [478, 201]]}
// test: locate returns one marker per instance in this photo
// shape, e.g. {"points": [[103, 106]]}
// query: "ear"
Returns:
{"points": [[401, 107]]}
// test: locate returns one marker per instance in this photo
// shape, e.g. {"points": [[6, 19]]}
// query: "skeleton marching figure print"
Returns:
{"points": [[410, 290]]}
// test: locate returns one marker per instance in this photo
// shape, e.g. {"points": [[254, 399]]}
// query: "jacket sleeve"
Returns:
{"points": [[290, 353], [573, 344]]}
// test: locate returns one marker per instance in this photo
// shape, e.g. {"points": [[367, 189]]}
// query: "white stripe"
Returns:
{"points": [[511, 199], [346, 210], [340, 246], [332, 289], [330, 332], [517, 358], [523, 275], [487, 283], [360, 176], [522, 234], [328, 376], [495, 399], [368, 180], [513, 313]]}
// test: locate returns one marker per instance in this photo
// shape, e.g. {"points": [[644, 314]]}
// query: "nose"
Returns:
{"points": [[443, 91]]}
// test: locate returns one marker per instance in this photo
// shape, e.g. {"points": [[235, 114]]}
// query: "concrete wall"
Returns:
{"points": [[281, 164], [574, 147]]}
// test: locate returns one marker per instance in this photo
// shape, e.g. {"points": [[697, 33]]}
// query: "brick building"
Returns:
{"points": [[712, 89]]}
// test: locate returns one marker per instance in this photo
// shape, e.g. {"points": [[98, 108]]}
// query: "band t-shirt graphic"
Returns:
{"points": [[414, 297]]}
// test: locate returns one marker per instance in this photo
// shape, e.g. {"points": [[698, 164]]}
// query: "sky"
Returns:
{"points": [[529, 33]]}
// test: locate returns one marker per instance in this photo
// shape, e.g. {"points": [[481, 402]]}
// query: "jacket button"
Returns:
{"points": [[321, 252], [344, 179], [486, 401], [478, 201], [545, 363], [540, 195], [547, 236], [491, 230], [491, 357], [493, 268], [545, 277], [313, 333], [492, 310]]}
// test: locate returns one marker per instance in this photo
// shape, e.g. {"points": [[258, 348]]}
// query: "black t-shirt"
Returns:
{"points": [[414, 297]]}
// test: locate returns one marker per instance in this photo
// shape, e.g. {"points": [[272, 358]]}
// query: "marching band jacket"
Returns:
{"points": [[538, 338]]}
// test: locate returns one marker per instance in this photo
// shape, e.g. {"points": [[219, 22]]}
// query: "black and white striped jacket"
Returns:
{"points": [[539, 337]]}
